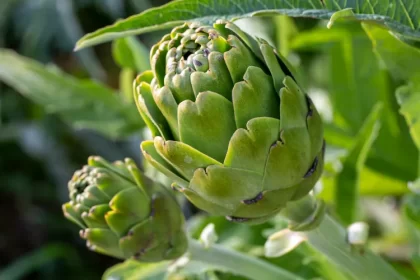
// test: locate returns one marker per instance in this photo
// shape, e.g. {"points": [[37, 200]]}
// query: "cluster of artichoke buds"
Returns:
{"points": [[124, 214], [232, 128]]}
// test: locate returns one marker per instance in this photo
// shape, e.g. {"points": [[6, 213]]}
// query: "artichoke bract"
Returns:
{"points": [[124, 214], [232, 128]]}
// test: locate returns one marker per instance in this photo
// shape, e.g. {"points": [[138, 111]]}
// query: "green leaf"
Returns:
{"points": [[82, 103], [411, 214], [402, 60], [355, 78], [356, 81], [131, 53], [399, 15], [348, 180], [409, 99], [127, 76], [340, 15], [133, 270]]}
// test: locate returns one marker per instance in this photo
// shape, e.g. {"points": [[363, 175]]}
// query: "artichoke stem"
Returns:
{"points": [[304, 214], [237, 263], [299, 210], [329, 238]]}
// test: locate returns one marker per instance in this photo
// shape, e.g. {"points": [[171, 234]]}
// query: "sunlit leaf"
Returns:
{"points": [[356, 81], [402, 60], [400, 15]]}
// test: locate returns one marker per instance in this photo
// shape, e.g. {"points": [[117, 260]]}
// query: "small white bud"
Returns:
{"points": [[208, 236], [358, 233], [414, 186], [282, 242]]}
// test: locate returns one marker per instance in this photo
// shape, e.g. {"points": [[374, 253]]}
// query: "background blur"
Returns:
{"points": [[48, 131], [38, 151]]}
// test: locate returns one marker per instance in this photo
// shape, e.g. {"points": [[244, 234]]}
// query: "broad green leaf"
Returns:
{"points": [[409, 99], [399, 15], [130, 53], [402, 60], [356, 82], [82, 103], [348, 181], [133, 270]]}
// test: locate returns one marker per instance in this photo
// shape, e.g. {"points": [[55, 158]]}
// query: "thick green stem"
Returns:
{"points": [[330, 239], [237, 263]]}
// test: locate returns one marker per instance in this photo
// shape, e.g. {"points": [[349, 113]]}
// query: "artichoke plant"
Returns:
{"points": [[124, 214], [232, 128]]}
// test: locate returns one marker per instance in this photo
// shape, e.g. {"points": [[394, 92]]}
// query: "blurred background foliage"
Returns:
{"points": [[58, 107]]}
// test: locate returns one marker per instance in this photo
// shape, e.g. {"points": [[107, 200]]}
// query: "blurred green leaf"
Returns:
{"points": [[348, 181], [409, 99], [130, 53], [411, 212], [140, 5], [83, 103], [402, 60], [133, 270], [371, 183], [34, 260], [415, 261], [356, 82], [286, 30], [127, 76], [394, 14], [5, 7], [73, 30]]}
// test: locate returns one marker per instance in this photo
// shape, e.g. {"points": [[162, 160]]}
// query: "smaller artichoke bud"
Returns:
{"points": [[124, 214]]}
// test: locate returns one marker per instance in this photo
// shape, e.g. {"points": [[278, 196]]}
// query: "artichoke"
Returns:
{"points": [[231, 126], [124, 214]]}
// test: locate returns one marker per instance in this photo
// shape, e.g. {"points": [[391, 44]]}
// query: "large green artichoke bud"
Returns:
{"points": [[124, 214], [231, 126]]}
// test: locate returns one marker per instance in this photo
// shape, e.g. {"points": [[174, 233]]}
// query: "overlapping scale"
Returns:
{"points": [[244, 137]]}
